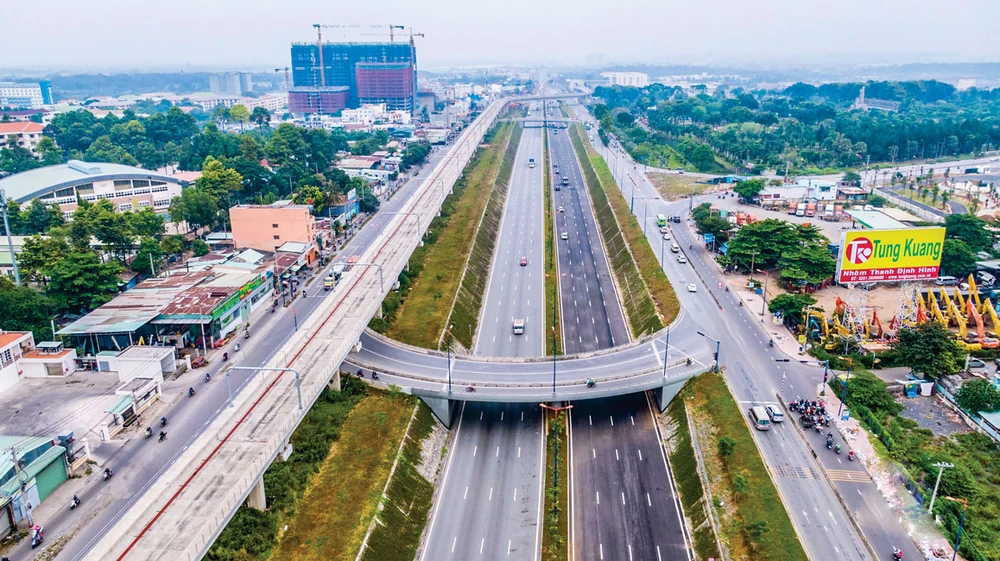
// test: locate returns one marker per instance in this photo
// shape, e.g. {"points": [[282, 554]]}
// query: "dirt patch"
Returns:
{"points": [[673, 186]]}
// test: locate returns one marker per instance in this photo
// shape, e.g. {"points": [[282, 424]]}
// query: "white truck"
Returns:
{"points": [[801, 210], [518, 326], [531, 162]]}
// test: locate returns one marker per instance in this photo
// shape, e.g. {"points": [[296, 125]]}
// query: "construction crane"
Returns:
{"points": [[285, 69]]}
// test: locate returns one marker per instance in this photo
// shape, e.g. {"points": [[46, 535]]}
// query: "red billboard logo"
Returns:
{"points": [[859, 250]]}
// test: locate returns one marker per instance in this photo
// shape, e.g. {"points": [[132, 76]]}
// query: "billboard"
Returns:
{"points": [[889, 255]]}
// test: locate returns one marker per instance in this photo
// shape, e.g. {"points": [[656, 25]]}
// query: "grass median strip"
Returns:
{"points": [[754, 523], [553, 344], [624, 243], [334, 514], [407, 501], [465, 313], [417, 314], [555, 534], [252, 534]]}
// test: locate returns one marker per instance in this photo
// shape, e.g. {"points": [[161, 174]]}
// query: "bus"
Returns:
{"points": [[661, 220]]}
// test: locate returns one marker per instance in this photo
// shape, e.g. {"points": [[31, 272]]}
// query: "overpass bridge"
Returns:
{"points": [[182, 513]]}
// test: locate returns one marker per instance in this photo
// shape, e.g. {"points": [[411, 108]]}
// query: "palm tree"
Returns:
{"points": [[944, 199], [936, 191]]}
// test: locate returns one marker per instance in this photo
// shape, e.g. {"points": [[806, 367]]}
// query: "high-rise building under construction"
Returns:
{"points": [[346, 75]]}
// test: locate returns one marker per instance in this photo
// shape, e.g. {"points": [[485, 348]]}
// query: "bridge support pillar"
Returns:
{"points": [[442, 408], [256, 499], [335, 380], [666, 393]]}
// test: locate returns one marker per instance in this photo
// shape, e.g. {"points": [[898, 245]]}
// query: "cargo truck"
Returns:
{"points": [[811, 209], [801, 210], [329, 282]]}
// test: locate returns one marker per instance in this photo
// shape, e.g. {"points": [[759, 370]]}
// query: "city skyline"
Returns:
{"points": [[215, 36]]}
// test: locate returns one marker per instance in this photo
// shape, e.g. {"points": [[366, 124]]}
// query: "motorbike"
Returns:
{"points": [[163, 436], [246, 334], [470, 389], [149, 432], [689, 361], [770, 342], [190, 392], [107, 473], [163, 421], [37, 535], [850, 455], [208, 377], [237, 348], [74, 503], [225, 357], [897, 555], [591, 383], [829, 443], [837, 448], [374, 375]]}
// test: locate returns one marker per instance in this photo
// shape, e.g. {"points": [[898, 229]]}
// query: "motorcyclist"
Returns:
{"points": [[149, 432], [897, 554], [207, 377], [190, 392], [237, 347], [162, 435], [163, 421], [837, 448], [770, 342]]}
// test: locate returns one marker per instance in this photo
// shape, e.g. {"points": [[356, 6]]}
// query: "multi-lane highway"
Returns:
{"points": [[828, 528], [489, 501], [592, 316]]}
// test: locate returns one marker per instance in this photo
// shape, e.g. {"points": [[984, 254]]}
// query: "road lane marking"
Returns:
{"points": [[491, 494], [616, 456], [515, 494], [482, 542], [640, 454], [501, 415], [600, 548], [629, 552], [612, 421], [631, 418], [508, 548], [474, 450], [453, 542], [518, 451], [466, 494], [598, 497], [498, 452]]}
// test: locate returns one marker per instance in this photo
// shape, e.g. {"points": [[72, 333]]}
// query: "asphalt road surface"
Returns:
{"points": [[139, 462], [490, 497], [592, 316], [516, 291]]}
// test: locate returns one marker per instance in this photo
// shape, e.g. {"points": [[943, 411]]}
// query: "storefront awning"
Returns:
{"points": [[121, 405]]}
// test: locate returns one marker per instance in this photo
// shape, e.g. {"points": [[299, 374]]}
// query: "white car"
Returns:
{"points": [[664, 229], [682, 259], [666, 236], [560, 209], [692, 287], [564, 236]]}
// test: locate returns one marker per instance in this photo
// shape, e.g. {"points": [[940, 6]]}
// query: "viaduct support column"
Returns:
{"points": [[256, 498], [667, 392], [442, 408]]}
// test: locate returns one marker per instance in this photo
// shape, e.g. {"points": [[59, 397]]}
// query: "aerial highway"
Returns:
{"points": [[489, 501]]}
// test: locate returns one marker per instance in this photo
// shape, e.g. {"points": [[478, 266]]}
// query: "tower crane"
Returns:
{"points": [[285, 69]]}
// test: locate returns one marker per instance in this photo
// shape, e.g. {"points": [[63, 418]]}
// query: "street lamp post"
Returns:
{"points": [[447, 335], [554, 352], [718, 350], [413, 214], [763, 305], [666, 353], [843, 394], [961, 522]]}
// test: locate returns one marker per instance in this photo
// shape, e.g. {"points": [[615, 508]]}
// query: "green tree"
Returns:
{"points": [[39, 217], [260, 117], [172, 245], [48, 151], [15, 159], [930, 349], [978, 395], [196, 207], [148, 255], [217, 180], [715, 225], [762, 243], [970, 229], [790, 307], [82, 282], [851, 177], [865, 388], [702, 156], [146, 223], [200, 248], [957, 258], [726, 446], [624, 119], [104, 150], [239, 114], [114, 230], [811, 263], [25, 309], [749, 189], [40, 255]]}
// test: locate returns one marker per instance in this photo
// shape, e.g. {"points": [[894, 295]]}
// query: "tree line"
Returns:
{"points": [[802, 126]]}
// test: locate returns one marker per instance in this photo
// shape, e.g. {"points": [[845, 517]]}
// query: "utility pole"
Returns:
{"points": [[10, 242], [941, 467]]}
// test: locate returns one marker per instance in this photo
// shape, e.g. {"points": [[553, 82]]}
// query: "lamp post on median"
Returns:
{"points": [[763, 305], [666, 353], [718, 349], [554, 352], [413, 214]]}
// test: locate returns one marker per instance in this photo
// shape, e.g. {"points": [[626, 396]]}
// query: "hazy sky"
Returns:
{"points": [[255, 34]]}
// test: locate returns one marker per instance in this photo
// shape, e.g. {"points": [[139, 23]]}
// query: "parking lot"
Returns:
{"points": [[830, 229]]}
